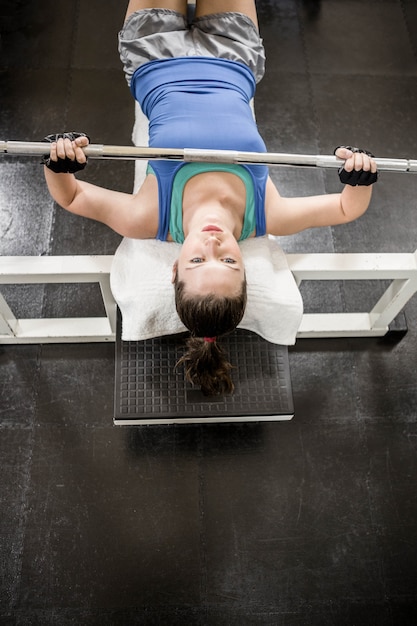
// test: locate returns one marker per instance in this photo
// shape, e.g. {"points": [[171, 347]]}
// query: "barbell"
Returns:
{"points": [[100, 151]]}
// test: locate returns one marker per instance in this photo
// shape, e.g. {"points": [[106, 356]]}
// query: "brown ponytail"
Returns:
{"points": [[207, 318]]}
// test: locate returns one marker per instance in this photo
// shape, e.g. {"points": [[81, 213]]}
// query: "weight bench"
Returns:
{"points": [[150, 390], [168, 398]]}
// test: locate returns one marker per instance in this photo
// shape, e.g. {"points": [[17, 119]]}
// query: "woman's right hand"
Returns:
{"points": [[359, 168]]}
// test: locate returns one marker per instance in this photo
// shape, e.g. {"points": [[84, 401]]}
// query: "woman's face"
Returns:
{"points": [[210, 261]]}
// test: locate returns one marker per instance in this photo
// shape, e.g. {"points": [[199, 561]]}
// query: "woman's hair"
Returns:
{"points": [[207, 318]]}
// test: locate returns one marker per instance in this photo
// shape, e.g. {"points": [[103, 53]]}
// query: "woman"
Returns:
{"points": [[195, 84]]}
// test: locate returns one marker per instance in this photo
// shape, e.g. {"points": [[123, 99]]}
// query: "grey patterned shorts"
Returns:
{"points": [[152, 34]]}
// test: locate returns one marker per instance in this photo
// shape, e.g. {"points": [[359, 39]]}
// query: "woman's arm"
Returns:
{"points": [[120, 211], [287, 216]]}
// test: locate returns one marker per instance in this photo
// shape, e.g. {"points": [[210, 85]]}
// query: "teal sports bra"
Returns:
{"points": [[183, 175]]}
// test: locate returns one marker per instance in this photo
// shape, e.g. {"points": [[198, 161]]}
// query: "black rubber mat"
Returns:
{"points": [[149, 389]]}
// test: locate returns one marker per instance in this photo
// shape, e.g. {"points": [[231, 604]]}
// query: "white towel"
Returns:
{"points": [[141, 281]]}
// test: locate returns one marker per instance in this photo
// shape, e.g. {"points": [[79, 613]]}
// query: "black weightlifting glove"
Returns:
{"points": [[357, 177], [63, 166]]}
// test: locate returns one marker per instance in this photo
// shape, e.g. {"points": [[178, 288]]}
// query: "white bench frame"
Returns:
{"points": [[57, 269], [400, 269]]}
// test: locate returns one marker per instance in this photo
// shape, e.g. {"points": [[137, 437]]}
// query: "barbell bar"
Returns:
{"points": [[100, 151]]}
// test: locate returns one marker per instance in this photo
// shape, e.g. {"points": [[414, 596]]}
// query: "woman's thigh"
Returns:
{"points": [[158, 33], [150, 34], [247, 7], [175, 5]]}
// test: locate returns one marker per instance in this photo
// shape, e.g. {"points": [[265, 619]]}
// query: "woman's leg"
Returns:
{"points": [[247, 7], [154, 29], [174, 5]]}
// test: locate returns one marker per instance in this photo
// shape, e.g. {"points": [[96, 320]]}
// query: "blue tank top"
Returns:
{"points": [[199, 102]]}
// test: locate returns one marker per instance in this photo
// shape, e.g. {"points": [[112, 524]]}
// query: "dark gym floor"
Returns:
{"points": [[312, 521]]}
